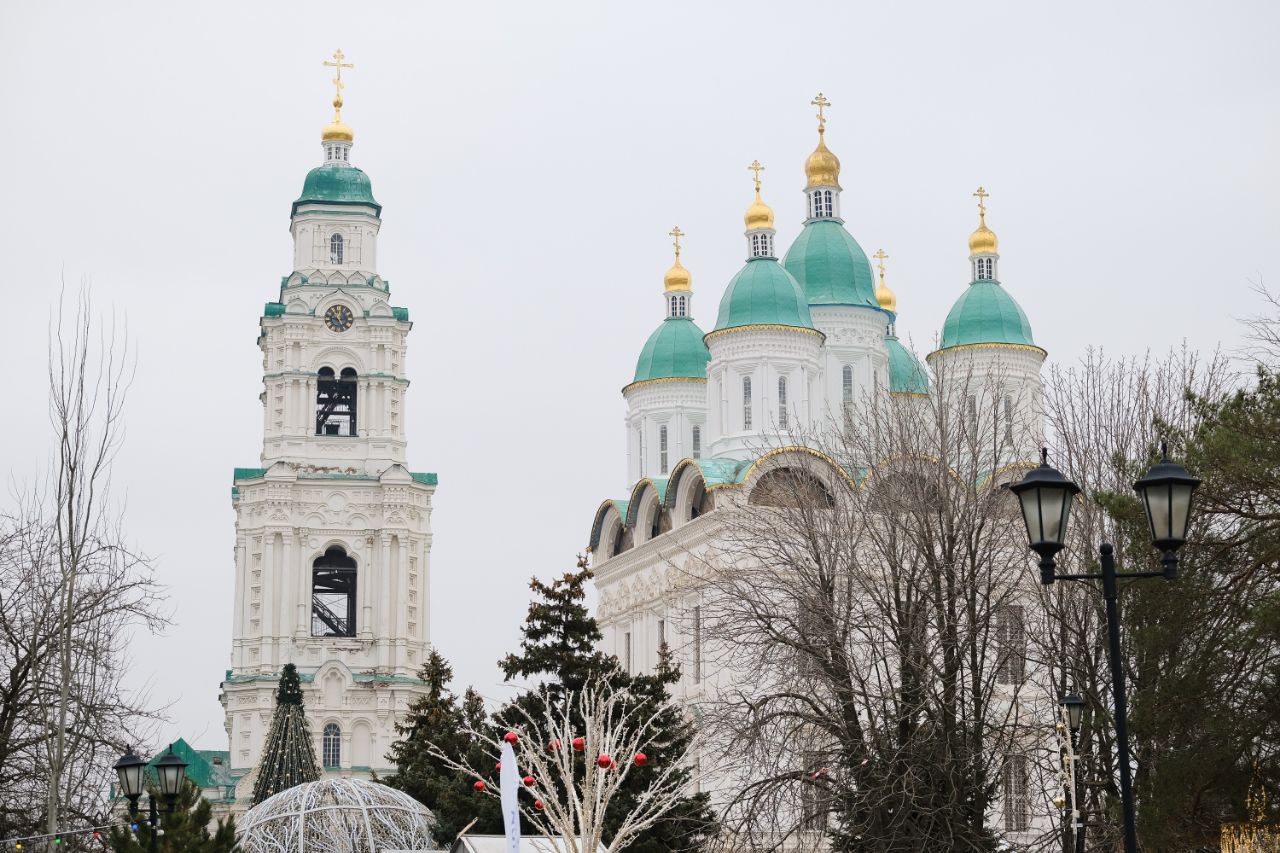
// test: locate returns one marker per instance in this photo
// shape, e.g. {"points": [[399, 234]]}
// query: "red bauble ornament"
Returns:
{"points": [[604, 762], [579, 744], [479, 785], [511, 738], [554, 746], [498, 766], [641, 759], [537, 804], [528, 781]]}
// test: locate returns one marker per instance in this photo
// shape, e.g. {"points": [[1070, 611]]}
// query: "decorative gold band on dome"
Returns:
{"points": [[626, 388], [762, 327], [1043, 353]]}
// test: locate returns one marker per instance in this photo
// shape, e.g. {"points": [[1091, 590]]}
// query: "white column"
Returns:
{"points": [[289, 583], [364, 585]]}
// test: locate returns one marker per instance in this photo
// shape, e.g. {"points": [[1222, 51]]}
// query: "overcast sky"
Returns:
{"points": [[531, 158]]}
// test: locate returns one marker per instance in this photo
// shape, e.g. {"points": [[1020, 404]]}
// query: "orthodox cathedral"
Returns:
{"points": [[333, 531], [802, 341]]}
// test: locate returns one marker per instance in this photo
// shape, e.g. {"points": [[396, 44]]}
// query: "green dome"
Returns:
{"points": [[986, 314], [906, 375], [763, 294], [674, 350], [331, 184], [830, 266]]}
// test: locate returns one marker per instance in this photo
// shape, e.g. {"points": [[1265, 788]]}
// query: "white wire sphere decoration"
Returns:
{"points": [[336, 816]]}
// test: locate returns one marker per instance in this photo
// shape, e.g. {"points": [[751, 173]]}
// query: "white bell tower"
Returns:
{"points": [[333, 531]]}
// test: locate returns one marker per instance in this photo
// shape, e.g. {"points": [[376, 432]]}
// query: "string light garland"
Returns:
{"points": [[21, 843]]}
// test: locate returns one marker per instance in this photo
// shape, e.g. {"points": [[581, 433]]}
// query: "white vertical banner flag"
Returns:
{"points": [[510, 793]]}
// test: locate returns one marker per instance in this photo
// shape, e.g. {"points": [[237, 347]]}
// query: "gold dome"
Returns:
{"points": [[823, 167], [982, 241], [759, 214], [677, 278], [884, 296], [337, 130]]}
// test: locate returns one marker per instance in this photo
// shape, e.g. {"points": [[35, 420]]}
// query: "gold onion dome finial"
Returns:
{"points": [[982, 241], [884, 295], [822, 169], [759, 214], [338, 130], [677, 278]]}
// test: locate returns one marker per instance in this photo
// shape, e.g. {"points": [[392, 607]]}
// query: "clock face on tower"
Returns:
{"points": [[339, 318]]}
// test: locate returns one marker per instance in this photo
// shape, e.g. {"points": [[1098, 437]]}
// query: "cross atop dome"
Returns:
{"points": [[759, 219], [678, 279], [338, 135], [756, 169], [821, 103], [676, 233], [884, 296]]}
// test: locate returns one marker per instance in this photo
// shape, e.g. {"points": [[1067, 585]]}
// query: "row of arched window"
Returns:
{"points": [[821, 204], [664, 456], [337, 152], [679, 306], [985, 269], [761, 245], [747, 406]]}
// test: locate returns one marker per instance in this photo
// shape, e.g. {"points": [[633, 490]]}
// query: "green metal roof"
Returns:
{"points": [[906, 375], [830, 265], [986, 314], [674, 350], [248, 473], [763, 294], [720, 472], [273, 309], [400, 313], [426, 478], [333, 184]]}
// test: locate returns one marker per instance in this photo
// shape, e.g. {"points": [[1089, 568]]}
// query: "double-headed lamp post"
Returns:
{"points": [[171, 770], [1046, 497]]}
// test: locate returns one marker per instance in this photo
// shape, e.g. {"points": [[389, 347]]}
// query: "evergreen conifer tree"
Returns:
{"points": [[288, 757], [559, 644], [185, 829], [438, 720]]}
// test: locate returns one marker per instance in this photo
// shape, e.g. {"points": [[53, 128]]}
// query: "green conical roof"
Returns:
{"points": [[763, 294], [337, 184], [674, 350], [830, 266], [906, 374], [986, 314]]}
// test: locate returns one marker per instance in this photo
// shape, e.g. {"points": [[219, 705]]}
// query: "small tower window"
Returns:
{"points": [[986, 269], [331, 746], [746, 402], [846, 390], [821, 204], [697, 442], [662, 449], [761, 245], [679, 306], [333, 595], [336, 402], [782, 402], [335, 249]]}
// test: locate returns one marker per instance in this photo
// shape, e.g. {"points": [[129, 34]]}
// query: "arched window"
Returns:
{"points": [[746, 402], [335, 249], [782, 402], [336, 402], [662, 449], [820, 204], [333, 595], [331, 746], [986, 269], [697, 442], [790, 487], [761, 245]]}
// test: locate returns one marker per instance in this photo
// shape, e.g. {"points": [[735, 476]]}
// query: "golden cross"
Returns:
{"points": [[821, 103], [880, 256], [981, 196], [757, 168], [338, 65], [677, 234]]}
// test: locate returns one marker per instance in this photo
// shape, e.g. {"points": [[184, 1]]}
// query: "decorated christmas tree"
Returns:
{"points": [[288, 757]]}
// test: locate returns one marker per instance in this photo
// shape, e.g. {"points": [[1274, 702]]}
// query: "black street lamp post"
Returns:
{"points": [[1073, 710], [171, 770], [1045, 497]]}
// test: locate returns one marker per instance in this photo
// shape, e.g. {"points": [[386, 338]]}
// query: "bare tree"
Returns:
{"points": [[868, 611], [579, 750], [70, 589]]}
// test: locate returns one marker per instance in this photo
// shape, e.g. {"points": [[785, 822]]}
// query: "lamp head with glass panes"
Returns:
{"points": [[1045, 497], [1166, 493]]}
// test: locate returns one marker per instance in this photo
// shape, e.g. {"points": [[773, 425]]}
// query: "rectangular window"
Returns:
{"points": [[697, 442], [662, 449], [1008, 421], [782, 402], [971, 416], [1011, 645], [644, 467], [662, 633], [746, 402], [626, 651], [697, 645], [1017, 805]]}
